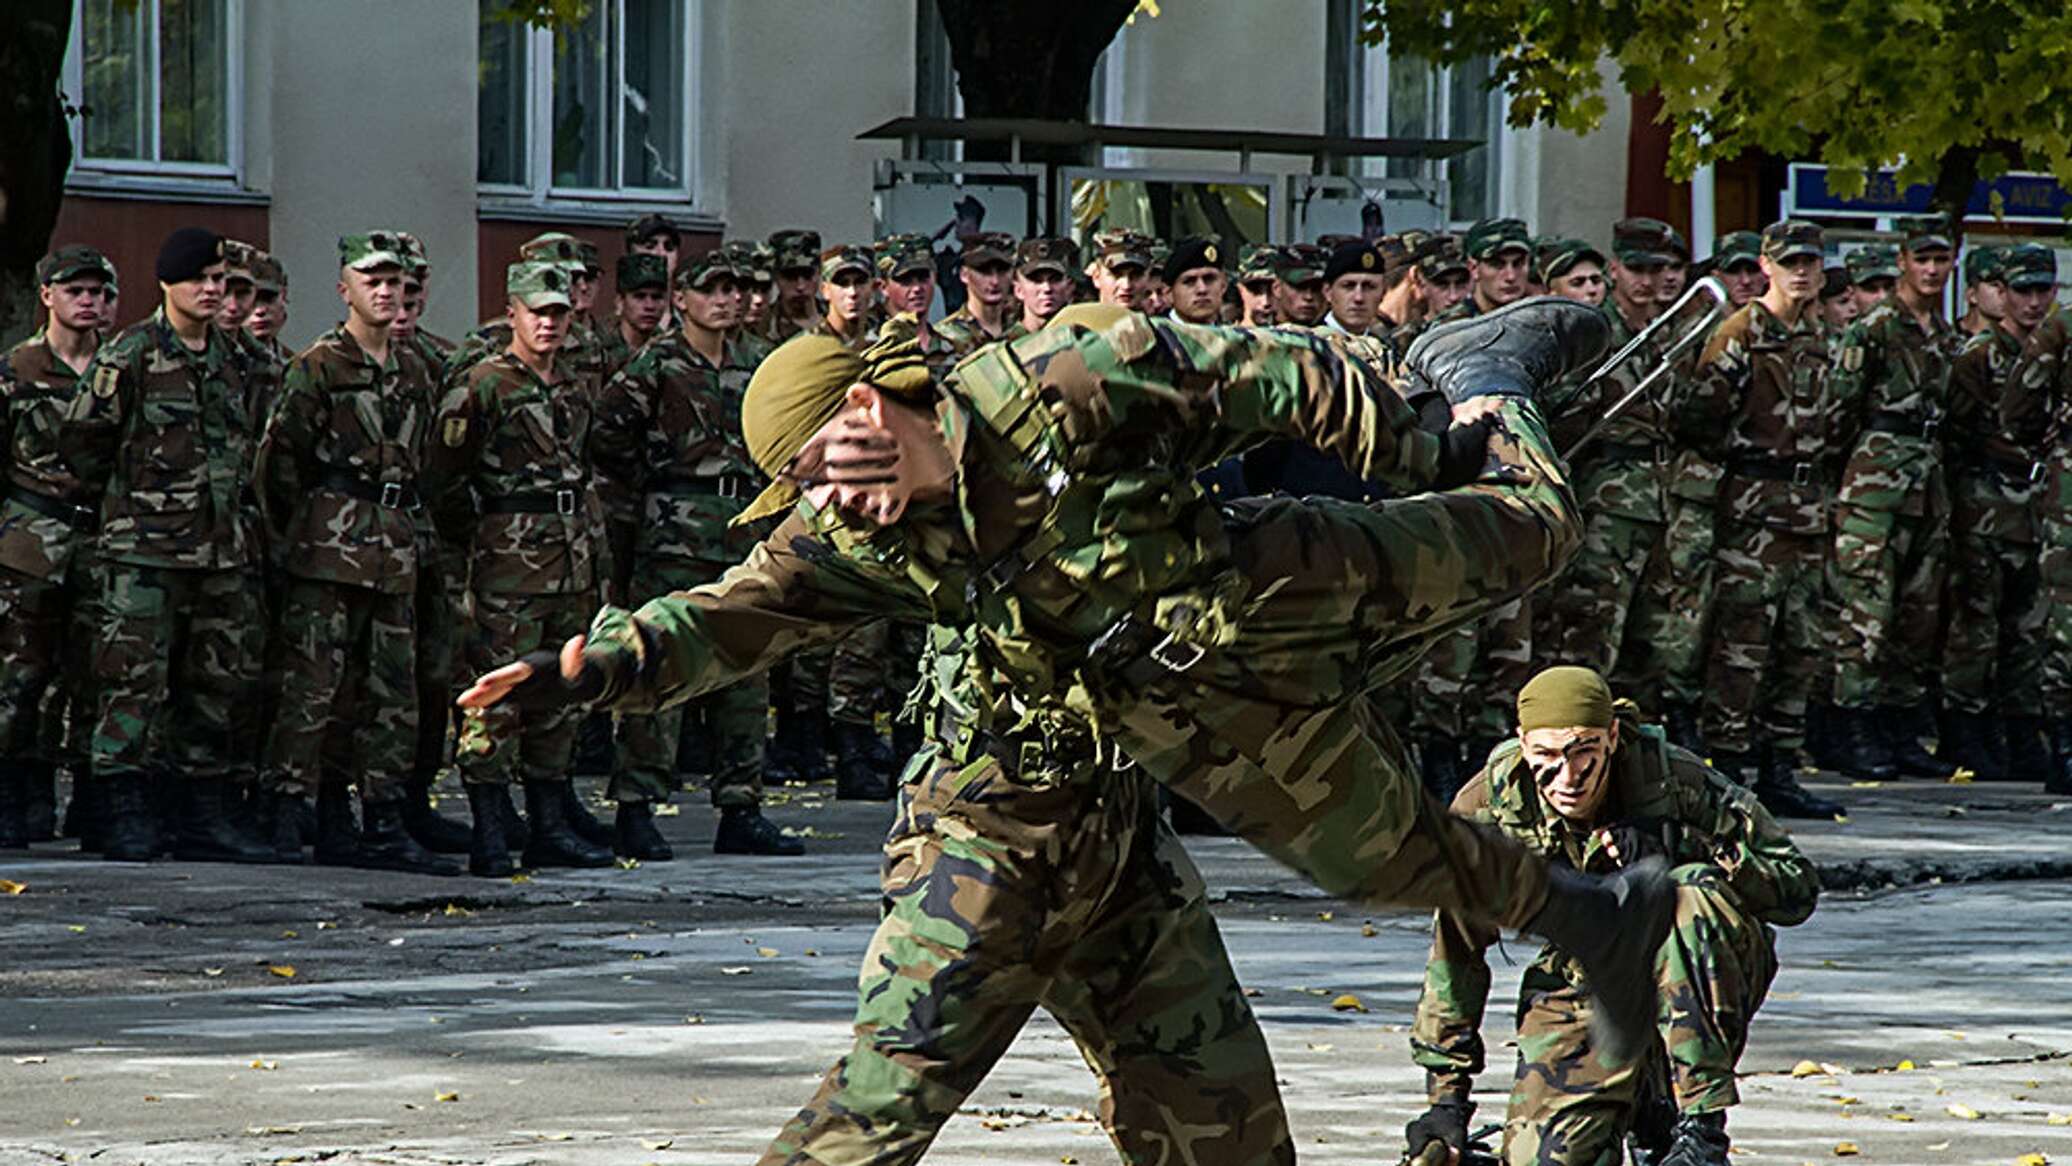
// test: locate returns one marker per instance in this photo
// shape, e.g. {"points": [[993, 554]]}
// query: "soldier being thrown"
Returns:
{"points": [[1586, 784], [1043, 494]]}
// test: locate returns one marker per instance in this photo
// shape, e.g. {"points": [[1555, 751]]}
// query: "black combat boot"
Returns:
{"points": [[40, 804], [594, 752], [1680, 721], [1821, 746], [1967, 741], [1777, 787], [857, 776], [582, 821], [338, 835], [634, 834], [517, 831], [1860, 748], [1439, 765], [1741, 767], [2028, 749], [489, 849], [386, 844], [280, 823], [1901, 726], [14, 799], [744, 830], [1699, 1139], [434, 833], [129, 829], [1613, 926], [206, 832], [84, 813], [1512, 352], [2058, 779], [553, 841]]}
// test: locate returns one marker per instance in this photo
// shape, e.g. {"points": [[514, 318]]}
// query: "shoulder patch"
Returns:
{"points": [[455, 432], [106, 378], [1852, 358]]}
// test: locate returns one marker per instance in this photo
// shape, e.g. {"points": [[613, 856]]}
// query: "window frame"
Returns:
{"points": [[91, 173], [537, 191], [1369, 99]]}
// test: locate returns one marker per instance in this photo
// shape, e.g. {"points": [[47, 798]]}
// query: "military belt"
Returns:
{"points": [[1776, 469], [1904, 424], [1622, 451], [388, 495], [49, 506], [719, 486], [1017, 756], [2012, 471], [563, 502], [1139, 652]]}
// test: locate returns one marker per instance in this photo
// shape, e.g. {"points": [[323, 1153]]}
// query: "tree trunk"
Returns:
{"points": [[1028, 59], [35, 150], [1955, 176]]}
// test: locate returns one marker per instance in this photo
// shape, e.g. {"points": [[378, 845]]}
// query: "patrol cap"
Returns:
{"points": [[846, 257], [237, 260], [797, 250], [1300, 263], [1394, 252], [268, 274], [640, 270], [1679, 251], [1872, 261], [904, 255], [1045, 254], [1438, 256], [186, 253], [71, 262], [1355, 257], [1790, 238], [538, 284], [696, 272], [415, 258], [1984, 263], [650, 227], [1492, 237], [556, 247], [2030, 265], [1160, 252], [754, 262], [1557, 257], [1122, 248], [1255, 262], [1736, 249], [371, 249], [1189, 254], [1643, 242], [987, 247], [1924, 233]]}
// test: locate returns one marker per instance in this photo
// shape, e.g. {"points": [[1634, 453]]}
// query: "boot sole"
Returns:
{"points": [[1652, 905]]}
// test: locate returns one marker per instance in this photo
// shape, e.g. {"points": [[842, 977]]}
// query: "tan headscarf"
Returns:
{"points": [[1565, 697]]}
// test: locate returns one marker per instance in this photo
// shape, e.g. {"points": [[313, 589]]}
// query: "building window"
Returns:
{"points": [[1406, 97], [157, 85], [594, 110]]}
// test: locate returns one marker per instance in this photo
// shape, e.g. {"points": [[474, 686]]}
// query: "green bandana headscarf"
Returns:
{"points": [[1566, 697]]}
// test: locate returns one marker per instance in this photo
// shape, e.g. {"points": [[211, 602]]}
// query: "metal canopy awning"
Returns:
{"points": [[1017, 131]]}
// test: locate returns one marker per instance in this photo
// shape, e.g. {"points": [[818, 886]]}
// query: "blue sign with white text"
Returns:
{"points": [[2024, 198]]}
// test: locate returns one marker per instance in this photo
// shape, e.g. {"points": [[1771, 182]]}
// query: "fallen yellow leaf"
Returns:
{"points": [[1900, 1116], [2058, 1119], [1805, 1069], [1325, 916], [284, 971], [10, 887], [212, 972], [1348, 1003], [1368, 931], [521, 879], [1324, 1047], [2036, 1159], [1964, 1111], [291, 935], [768, 953], [1846, 1150], [269, 1066], [446, 1097], [657, 1143], [1903, 1067], [76, 928]]}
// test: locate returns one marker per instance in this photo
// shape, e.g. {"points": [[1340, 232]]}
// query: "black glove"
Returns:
{"points": [[1636, 839], [547, 689], [1445, 1122], [1463, 451]]}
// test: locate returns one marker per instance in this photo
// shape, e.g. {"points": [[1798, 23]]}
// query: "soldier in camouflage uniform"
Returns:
{"points": [[1586, 784], [668, 444], [1994, 643], [1759, 407], [417, 290], [1892, 386], [1572, 269], [45, 517], [643, 307], [1873, 273], [336, 473], [1298, 284], [1042, 281], [797, 268], [1255, 280], [1355, 279], [582, 359], [1985, 290], [1043, 496], [162, 444], [269, 312], [990, 313], [508, 482], [757, 266], [655, 235]]}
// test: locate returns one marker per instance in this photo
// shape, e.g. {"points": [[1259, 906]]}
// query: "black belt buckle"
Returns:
{"points": [[565, 502], [391, 495]]}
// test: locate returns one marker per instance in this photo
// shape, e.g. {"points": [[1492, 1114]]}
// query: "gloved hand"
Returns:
{"points": [[1634, 839], [546, 688], [1445, 1122], [1463, 451]]}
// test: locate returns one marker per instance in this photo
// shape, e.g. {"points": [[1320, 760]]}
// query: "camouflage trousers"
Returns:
{"points": [[1995, 645], [1271, 733], [1768, 646], [735, 720], [438, 601], [1676, 619], [2054, 569], [873, 668], [1594, 609], [1002, 897], [505, 743], [347, 708], [176, 663], [1566, 1108], [35, 615], [1888, 578], [1468, 681]]}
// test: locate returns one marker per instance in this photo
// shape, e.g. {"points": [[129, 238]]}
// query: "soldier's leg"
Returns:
{"points": [[644, 765], [215, 678], [1566, 1108], [32, 623], [1679, 626], [1745, 620], [1799, 654], [1651, 621], [309, 657], [737, 716], [1714, 972], [2023, 639], [856, 689], [1971, 636], [386, 728], [1923, 562], [131, 665], [1597, 591], [1866, 585], [1506, 665]]}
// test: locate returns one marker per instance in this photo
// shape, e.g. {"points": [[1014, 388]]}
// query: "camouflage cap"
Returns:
{"points": [[1438, 256], [1924, 233], [415, 257], [556, 247], [71, 262], [1044, 254], [1300, 263], [1679, 251], [987, 247], [639, 270], [538, 284], [1333, 242], [1642, 242], [372, 249], [650, 226], [1161, 253], [1255, 262], [1557, 257], [1492, 237], [237, 260], [754, 262], [796, 250], [267, 273], [1737, 249], [697, 272], [1872, 261], [2030, 265], [904, 255], [846, 257], [1122, 247], [1984, 263], [1790, 238]]}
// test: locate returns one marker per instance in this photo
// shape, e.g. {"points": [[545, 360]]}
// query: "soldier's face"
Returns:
{"points": [[83, 303], [235, 305], [1157, 298], [582, 288], [1572, 768], [1444, 292], [1797, 279], [1355, 298], [270, 312], [1671, 285], [1043, 292], [874, 459], [661, 245], [1841, 310], [795, 290], [1299, 303], [403, 327], [1198, 296], [372, 296], [714, 305], [643, 308], [1870, 293], [848, 294], [1499, 279], [539, 331], [1121, 284], [989, 284], [1583, 283], [197, 298], [1925, 272], [1989, 297], [1744, 283], [910, 291], [2027, 306], [1637, 287], [1257, 295]]}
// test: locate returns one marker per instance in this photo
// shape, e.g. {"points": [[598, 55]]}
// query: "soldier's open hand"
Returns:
{"points": [[542, 679]]}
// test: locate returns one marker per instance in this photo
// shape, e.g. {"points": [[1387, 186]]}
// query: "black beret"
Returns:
{"points": [[1358, 256], [186, 252], [1189, 254]]}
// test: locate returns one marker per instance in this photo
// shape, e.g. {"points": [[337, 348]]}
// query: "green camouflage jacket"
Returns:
{"points": [[2036, 406], [668, 447], [1994, 483], [163, 439], [1627, 470], [584, 357], [1693, 813], [960, 330], [339, 465], [265, 365], [1075, 505], [46, 510], [507, 478], [1760, 406], [1891, 396]]}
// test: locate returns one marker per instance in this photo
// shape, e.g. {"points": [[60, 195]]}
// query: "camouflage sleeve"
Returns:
{"points": [[458, 431], [1974, 408], [90, 433], [1774, 881], [281, 466], [1704, 414], [1847, 388], [2027, 395], [625, 415], [795, 591], [1446, 1037]]}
